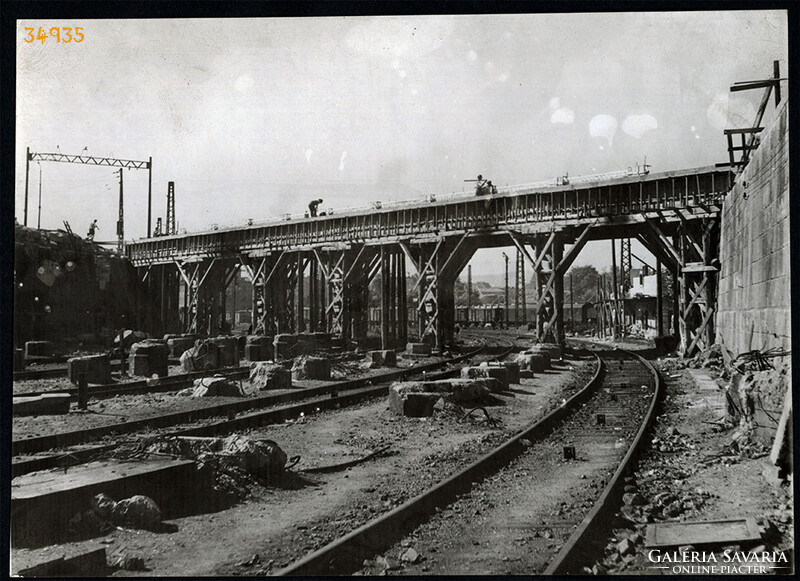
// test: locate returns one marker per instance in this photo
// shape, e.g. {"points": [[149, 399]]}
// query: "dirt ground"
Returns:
{"points": [[275, 526]]}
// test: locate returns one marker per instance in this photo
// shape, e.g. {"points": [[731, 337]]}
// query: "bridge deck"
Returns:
{"points": [[696, 187]]}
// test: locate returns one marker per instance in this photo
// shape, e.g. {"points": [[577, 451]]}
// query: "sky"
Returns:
{"points": [[252, 118]]}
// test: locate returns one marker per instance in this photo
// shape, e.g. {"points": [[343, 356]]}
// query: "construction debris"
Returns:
{"points": [[138, 511], [268, 375], [217, 386], [262, 459]]}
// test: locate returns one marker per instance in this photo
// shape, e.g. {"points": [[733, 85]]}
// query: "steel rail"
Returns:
{"points": [[63, 439], [346, 554], [579, 549], [167, 383]]}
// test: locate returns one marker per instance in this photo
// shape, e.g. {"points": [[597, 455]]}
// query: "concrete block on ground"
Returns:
{"points": [[543, 352], [525, 374], [318, 368], [410, 399], [264, 375], [177, 345], [536, 362], [149, 358], [417, 398], [323, 340], [96, 367], [19, 360], [38, 349], [418, 348], [382, 358], [284, 346], [554, 349], [45, 404], [254, 352], [512, 367], [498, 372], [228, 351], [470, 390]]}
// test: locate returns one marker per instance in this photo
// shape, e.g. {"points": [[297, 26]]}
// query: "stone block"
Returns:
{"points": [[383, 358], [19, 360], [228, 351], [409, 399], [543, 352], [45, 404], [265, 375], [512, 368], [554, 349], [498, 372], [318, 368], [149, 358], [254, 352], [38, 349], [525, 374], [178, 345], [535, 362], [418, 348], [96, 367], [323, 340], [465, 390]]}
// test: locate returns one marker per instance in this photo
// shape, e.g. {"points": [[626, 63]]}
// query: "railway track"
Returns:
{"points": [[239, 415], [624, 391]]}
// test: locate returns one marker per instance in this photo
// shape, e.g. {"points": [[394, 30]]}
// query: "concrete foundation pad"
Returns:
{"points": [[45, 404], [43, 502], [418, 348], [498, 372], [97, 369], [38, 349]]}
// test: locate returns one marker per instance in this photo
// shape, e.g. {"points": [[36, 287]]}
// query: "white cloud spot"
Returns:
{"points": [[563, 115], [638, 125], [243, 83], [692, 128], [472, 56], [603, 125], [402, 74], [489, 66], [341, 160], [555, 102], [309, 153], [503, 77]]}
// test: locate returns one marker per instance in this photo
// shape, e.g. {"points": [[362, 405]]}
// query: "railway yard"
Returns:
{"points": [[558, 471]]}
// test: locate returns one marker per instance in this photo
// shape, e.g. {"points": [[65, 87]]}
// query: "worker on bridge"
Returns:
{"points": [[312, 207], [92, 227]]}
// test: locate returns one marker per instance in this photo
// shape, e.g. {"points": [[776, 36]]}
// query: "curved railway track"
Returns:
{"points": [[624, 390]]}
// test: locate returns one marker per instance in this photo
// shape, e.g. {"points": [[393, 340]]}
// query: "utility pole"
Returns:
{"points": [[506, 309], [149, 196], [120, 222], [27, 171], [39, 218]]}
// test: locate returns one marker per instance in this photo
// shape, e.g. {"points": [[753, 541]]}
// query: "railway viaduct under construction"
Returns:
{"points": [[313, 274], [676, 215]]}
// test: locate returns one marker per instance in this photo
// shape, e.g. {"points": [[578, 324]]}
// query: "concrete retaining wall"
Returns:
{"points": [[754, 287]]}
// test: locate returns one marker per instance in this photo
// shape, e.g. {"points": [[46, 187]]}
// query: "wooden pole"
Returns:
{"points": [[615, 290], [27, 172], [659, 300]]}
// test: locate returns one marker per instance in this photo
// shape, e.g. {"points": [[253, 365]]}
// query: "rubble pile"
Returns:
{"points": [[235, 462], [217, 386]]}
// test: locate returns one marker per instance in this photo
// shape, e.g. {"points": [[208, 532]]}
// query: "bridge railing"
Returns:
{"points": [[627, 195]]}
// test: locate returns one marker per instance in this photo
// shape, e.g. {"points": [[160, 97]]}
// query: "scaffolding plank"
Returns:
{"points": [[674, 534]]}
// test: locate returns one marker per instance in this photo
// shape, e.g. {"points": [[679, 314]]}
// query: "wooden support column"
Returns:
{"points": [[384, 299], [659, 300], [558, 292]]}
